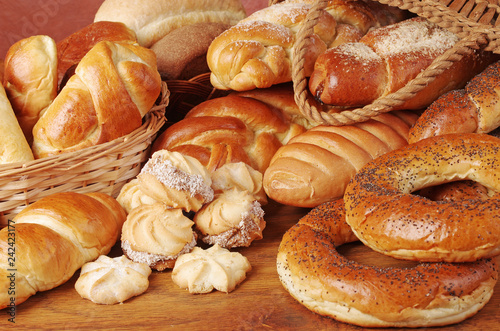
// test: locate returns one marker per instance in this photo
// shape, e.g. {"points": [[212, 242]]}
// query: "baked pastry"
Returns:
{"points": [[427, 294], [131, 196], [257, 52], [82, 116], [73, 48], [202, 271], [177, 180], [154, 19], [233, 128], [233, 219], [30, 79], [386, 59], [55, 236], [316, 166], [112, 280], [241, 176], [182, 54], [474, 109], [13, 144], [157, 235]]}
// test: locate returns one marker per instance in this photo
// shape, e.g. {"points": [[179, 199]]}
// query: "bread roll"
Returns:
{"points": [[152, 20], [13, 144], [54, 237], [82, 115], [30, 79]]}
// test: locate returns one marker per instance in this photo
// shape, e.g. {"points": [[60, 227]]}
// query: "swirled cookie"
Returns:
{"points": [[241, 176], [233, 219], [178, 180], [131, 196], [157, 235], [201, 271], [112, 280]]}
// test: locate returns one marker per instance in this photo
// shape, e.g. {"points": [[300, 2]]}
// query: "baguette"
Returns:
{"points": [[316, 166], [257, 52], [386, 59], [474, 109], [53, 238]]}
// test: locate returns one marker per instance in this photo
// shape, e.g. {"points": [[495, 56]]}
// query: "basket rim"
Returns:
{"points": [[154, 120]]}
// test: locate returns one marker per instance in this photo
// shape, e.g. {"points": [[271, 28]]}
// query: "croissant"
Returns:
{"points": [[316, 166], [386, 59], [43, 246], [474, 109], [257, 52], [114, 86]]}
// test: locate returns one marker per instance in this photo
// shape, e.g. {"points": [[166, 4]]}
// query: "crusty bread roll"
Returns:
{"points": [[386, 59], [54, 237], [13, 144], [73, 48], [257, 52], [182, 54], [82, 115], [474, 109], [316, 166], [152, 20], [232, 129], [30, 79]]}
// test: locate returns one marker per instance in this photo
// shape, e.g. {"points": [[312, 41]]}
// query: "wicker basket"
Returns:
{"points": [[474, 21], [102, 168]]}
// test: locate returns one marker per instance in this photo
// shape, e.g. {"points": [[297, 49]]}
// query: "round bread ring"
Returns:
{"points": [[385, 216], [429, 294]]}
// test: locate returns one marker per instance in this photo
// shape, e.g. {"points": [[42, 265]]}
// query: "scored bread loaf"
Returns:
{"points": [[316, 166], [386, 59], [13, 144], [474, 109], [82, 115], [233, 128], [54, 237], [257, 52], [151, 20], [30, 79]]}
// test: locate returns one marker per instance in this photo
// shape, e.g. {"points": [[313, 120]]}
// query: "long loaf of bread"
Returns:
{"points": [[386, 59], [474, 109], [315, 167], [49, 240], [257, 52]]}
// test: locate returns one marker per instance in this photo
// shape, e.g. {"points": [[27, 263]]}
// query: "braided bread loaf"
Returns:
{"points": [[257, 51], [235, 128], [315, 167]]}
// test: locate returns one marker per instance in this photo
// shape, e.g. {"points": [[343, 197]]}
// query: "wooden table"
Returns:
{"points": [[259, 303]]}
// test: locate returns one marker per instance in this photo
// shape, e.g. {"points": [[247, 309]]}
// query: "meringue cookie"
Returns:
{"points": [[178, 180], [202, 271], [112, 280], [241, 176], [156, 235], [233, 219]]}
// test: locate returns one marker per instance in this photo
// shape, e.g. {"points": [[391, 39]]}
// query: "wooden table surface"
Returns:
{"points": [[259, 303]]}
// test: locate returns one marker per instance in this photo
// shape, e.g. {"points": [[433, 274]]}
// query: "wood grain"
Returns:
{"points": [[259, 303]]}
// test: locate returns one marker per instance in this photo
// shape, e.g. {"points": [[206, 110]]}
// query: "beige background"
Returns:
{"points": [[56, 18]]}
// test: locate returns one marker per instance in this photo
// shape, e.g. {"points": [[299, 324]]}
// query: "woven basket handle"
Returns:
{"points": [[305, 100]]}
